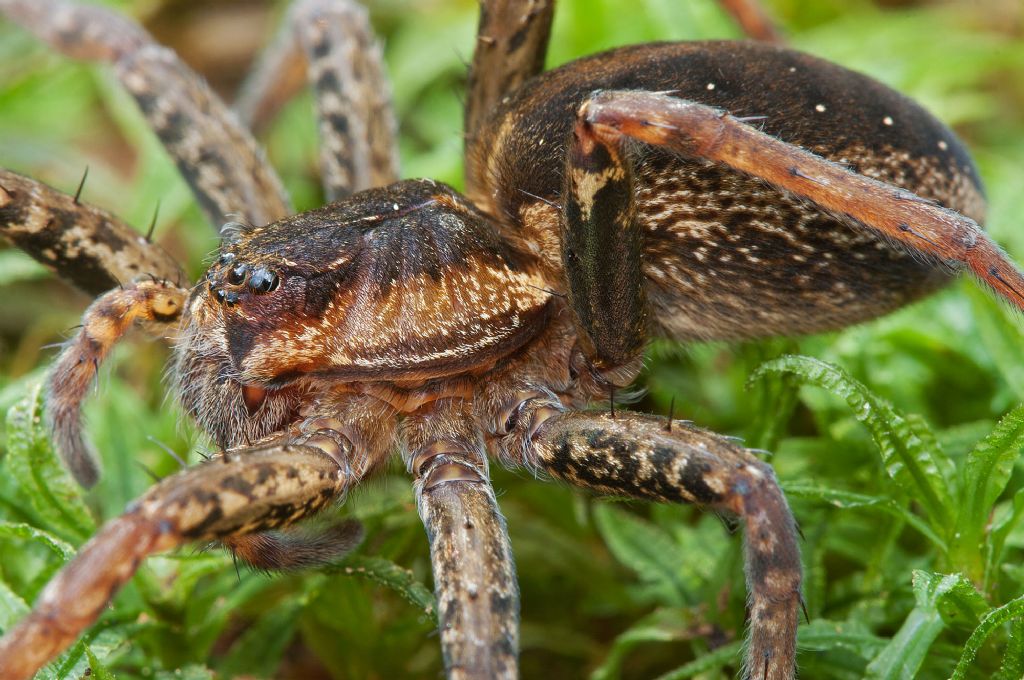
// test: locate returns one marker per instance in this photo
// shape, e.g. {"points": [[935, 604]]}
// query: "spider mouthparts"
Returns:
{"points": [[253, 396]]}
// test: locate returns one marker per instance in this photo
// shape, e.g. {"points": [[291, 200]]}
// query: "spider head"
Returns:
{"points": [[406, 282]]}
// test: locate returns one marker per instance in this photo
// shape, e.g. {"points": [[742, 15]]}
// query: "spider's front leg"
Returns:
{"points": [[240, 492], [239, 498], [640, 456], [88, 247], [103, 324], [474, 574]]}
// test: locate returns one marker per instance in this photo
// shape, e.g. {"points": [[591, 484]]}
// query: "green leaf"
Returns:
{"points": [[849, 500], [190, 672], [663, 625], [35, 466], [1012, 667], [940, 598], [908, 449], [1002, 525], [261, 646], [645, 549], [985, 475], [824, 635], [1014, 609], [99, 671], [16, 266], [721, 657], [65, 551], [12, 607], [100, 642], [387, 573]]}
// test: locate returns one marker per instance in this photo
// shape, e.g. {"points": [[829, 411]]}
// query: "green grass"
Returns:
{"points": [[898, 443]]}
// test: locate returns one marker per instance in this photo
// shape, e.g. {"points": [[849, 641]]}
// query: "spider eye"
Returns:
{"points": [[226, 258], [263, 281], [237, 275]]}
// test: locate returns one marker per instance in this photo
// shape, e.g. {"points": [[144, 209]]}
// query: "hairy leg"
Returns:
{"points": [[640, 456], [87, 247], [601, 238], [358, 430], [330, 44], [474, 574], [239, 492], [899, 216], [103, 324], [511, 43], [218, 157]]}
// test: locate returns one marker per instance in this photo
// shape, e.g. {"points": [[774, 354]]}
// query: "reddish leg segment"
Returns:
{"points": [[899, 216], [754, 21]]}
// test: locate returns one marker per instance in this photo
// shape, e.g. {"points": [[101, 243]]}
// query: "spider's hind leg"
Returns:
{"points": [[216, 155], [921, 227], [330, 44]]}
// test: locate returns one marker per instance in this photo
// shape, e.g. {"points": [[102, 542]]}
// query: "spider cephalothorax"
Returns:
{"points": [[406, 283], [655, 189]]}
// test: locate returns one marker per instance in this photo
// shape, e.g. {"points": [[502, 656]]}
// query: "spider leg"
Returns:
{"points": [[630, 454], [609, 302], [103, 324], [243, 491], [217, 156], [511, 43], [474, 574], [753, 20], [88, 247], [903, 218], [331, 43]]}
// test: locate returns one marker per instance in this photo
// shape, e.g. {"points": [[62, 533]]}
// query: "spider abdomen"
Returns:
{"points": [[726, 255]]}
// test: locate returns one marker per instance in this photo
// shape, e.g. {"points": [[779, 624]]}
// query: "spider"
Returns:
{"points": [[654, 190]]}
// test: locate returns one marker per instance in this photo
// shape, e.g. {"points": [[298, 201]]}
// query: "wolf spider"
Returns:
{"points": [[653, 190]]}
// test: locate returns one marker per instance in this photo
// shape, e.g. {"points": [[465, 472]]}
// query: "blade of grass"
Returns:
{"points": [[915, 467]]}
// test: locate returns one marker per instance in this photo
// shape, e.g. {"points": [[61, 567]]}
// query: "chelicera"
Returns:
{"points": [[650, 190]]}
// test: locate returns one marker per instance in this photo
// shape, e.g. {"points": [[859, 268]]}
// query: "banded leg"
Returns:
{"points": [[885, 211], [511, 43], [331, 44], [474, 575], [243, 491], [629, 454], [216, 155], [103, 324], [87, 247]]}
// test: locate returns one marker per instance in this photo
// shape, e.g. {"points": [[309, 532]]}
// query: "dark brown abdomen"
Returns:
{"points": [[728, 256]]}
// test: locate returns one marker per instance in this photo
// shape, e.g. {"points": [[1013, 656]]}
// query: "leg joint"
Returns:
{"points": [[441, 462]]}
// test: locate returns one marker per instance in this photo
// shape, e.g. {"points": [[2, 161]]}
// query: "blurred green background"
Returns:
{"points": [[880, 460]]}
